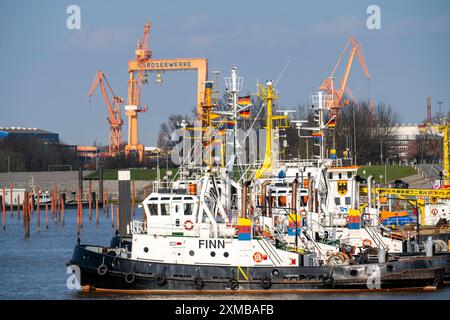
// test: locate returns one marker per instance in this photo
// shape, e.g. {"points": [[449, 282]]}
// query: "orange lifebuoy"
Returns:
{"points": [[257, 257], [188, 225], [367, 243], [434, 212]]}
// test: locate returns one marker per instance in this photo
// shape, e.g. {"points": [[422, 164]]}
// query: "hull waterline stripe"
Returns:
{"points": [[87, 289]]}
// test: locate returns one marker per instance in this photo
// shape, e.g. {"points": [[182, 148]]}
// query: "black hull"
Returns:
{"points": [[129, 275]]}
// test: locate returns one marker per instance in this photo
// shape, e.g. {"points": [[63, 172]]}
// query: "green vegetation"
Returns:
{"points": [[136, 174], [393, 172]]}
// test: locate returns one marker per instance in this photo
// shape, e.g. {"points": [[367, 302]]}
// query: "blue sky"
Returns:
{"points": [[46, 70]]}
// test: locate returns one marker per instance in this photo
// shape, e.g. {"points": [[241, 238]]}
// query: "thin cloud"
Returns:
{"points": [[438, 25], [338, 27], [103, 39]]}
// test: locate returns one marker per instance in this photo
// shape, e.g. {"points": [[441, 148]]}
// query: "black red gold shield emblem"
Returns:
{"points": [[342, 187]]}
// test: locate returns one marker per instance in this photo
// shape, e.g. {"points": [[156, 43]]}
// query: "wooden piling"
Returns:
{"points": [[18, 206], [90, 200], [96, 210], [38, 210], [79, 212], [52, 202], [32, 203], [104, 201], [63, 212], [112, 215], [46, 216], [26, 214], [3, 209], [80, 209], [11, 198]]}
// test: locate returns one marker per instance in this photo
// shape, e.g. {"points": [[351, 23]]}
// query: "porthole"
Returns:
{"points": [[191, 253], [353, 272], [226, 254], [275, 272], [213, 254], [145, 249]]}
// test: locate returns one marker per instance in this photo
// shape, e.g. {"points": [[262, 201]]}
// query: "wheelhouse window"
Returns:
{"points": [[188, 209], [349, 174], [165, 209], [153, 209]]}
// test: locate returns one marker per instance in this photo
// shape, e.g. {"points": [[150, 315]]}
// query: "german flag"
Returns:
{"points": [[316, 135], [245, 101], [331, 123], [230, 124], [244, 114]]}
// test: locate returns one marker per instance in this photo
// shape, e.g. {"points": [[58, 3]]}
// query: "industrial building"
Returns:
{"points": [[44, 136]]}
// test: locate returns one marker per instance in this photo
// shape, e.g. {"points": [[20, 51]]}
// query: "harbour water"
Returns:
{"points": [[35, 268]]}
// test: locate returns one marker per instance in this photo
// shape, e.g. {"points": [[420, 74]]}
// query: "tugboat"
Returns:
{"points": [[188, 243]]}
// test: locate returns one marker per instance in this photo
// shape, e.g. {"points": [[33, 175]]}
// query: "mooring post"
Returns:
{"points": [[63, 212], [52, 202], [100, 185], [32, 202], [80, 179], [90, 200], [46, 216], [18, 206], [124, 209], [11, 198], [96, 210], [38, 212], [26, 214], [112, 215], [3, 208]]}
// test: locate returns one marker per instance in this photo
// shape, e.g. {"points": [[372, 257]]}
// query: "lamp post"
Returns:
{"points": [[385, 168]]}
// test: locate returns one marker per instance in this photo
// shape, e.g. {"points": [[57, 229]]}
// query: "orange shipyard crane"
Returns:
{"points": [[114, 113], [334, 95], [138, 69]]}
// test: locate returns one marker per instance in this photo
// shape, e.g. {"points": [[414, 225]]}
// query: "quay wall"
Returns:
{"points": [[65, 181]]}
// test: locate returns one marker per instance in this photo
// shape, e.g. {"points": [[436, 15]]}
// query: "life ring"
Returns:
{"points": [[234, 284], [302, 211], [327, 280], [102, 269], [257, 257], [367, 243], [160, 280], [199, 283], [434, 212], [129, 278], [266, 283], [116, 262], [188, 225]]}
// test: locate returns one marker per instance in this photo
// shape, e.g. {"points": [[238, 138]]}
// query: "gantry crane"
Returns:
{"points": [[114, 113], [138, 69], [334, 95]]}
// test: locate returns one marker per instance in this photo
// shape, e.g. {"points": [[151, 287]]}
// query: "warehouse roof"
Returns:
{"points": [[24, 130]]}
